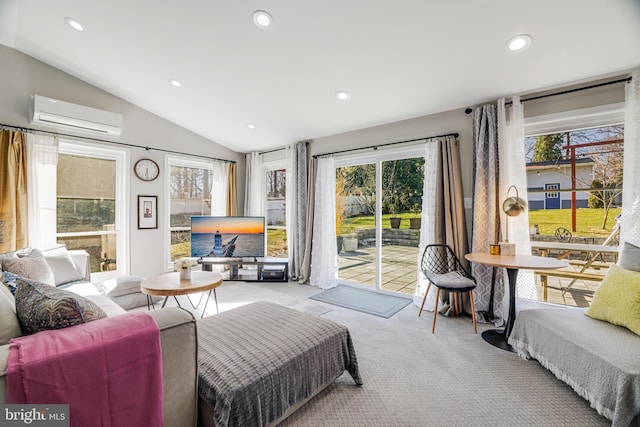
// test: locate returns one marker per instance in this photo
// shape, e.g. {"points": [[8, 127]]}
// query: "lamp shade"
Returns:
{"points": [[513, 206]]}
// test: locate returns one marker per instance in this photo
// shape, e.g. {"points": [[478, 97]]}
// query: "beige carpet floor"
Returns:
{"points": [[415, 378]]}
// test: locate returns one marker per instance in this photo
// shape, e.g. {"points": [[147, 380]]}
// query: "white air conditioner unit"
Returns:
{"points": [[67, 116]]}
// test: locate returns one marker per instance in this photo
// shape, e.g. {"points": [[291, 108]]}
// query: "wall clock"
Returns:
{"points": [[146, 169]]}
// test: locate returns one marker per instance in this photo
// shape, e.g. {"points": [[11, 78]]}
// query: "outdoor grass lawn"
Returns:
{"points": [[588, 221]]}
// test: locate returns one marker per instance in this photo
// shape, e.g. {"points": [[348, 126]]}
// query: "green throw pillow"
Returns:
{"points": [[42, 307], [617, 299]]}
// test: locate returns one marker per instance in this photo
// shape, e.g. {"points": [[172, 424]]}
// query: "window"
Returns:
{"points": [[190, 184], [91, 204], [276, 218], [574, 179]]}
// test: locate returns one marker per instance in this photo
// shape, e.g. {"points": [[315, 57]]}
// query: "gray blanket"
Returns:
{"points": [[600, 361], [259, 359]]}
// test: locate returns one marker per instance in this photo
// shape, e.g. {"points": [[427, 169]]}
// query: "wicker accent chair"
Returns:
{"points": [[443, 269]]}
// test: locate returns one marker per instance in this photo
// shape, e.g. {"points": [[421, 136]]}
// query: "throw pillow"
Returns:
{"points": [[42, 307], [10, 326], [10, 281], [62, 266], [32, 266], [617, 299], [630, 257]]}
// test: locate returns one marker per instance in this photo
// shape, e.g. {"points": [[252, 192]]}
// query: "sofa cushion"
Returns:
{"points": [[8, 319], [62, 266], [617, 299], [118, 286], [135, 300], [81, 288], [33, 267], [42, 307], [630, 257], [108, 306]]}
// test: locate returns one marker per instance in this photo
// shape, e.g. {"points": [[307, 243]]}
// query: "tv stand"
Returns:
{"points": [[268, 269]]}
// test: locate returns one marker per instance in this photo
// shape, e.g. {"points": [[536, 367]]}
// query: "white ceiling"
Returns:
{"points": [[399, 59]]}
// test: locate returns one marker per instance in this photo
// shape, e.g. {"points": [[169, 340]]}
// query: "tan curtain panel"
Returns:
{"points": [[232, 191], [13, 191], [450, 223]]}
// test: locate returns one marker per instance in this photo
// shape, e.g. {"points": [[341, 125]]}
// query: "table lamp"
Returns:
{"points": [[512, 206]]}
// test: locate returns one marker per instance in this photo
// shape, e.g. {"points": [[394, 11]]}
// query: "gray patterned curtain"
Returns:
{"points": [[298, 222], [486, 214]]}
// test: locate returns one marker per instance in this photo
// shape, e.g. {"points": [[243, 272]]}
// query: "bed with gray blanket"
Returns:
{"points": [[600, 361], [261, 361]]}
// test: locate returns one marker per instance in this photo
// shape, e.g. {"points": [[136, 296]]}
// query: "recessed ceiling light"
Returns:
{"points": [[262, 19], [343, 95], [74, 24], [175, 82], [251, 126], [519, 43]]}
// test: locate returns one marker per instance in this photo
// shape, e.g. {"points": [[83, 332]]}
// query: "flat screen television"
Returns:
{"points": [[227, 236]]}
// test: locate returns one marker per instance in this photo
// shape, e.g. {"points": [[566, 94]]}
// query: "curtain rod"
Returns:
{"points": [[627, 79], [279, 149], [375, 147], [23, 129]]}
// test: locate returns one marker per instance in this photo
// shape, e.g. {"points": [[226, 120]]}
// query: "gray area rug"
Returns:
{"points": [[362, 300]]}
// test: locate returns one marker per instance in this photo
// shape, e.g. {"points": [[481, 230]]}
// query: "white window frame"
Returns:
{"points": [[121, 157], [377, 158], [186, 162]]}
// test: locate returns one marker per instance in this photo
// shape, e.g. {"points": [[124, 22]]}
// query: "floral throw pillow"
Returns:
{"points": [[42, 307]]}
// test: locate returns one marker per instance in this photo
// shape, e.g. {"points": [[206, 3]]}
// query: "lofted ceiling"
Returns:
{"points": [[398, 60]]}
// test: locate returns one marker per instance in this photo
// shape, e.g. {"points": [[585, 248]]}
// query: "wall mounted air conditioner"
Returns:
{"points": [[67, 116]]}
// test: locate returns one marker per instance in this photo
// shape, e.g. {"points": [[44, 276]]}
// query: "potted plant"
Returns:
{"points": [[350, 243], [415, 222], [394, 220]]}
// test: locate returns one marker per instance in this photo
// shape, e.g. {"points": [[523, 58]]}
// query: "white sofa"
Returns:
{"points": [[178, 340]]}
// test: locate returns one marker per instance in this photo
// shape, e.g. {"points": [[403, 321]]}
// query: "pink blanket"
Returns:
{"points": [[109, 371]]}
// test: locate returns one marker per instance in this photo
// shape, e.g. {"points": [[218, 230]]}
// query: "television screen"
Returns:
{"points": [[227, 236]]}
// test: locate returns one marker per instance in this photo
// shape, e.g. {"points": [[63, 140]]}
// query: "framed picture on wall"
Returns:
{"points": [[147, 212]]}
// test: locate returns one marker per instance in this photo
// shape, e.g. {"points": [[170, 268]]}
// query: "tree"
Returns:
{"points": [[548, 148]]}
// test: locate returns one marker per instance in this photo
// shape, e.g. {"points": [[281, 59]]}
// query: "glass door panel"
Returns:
{"points": [[355, 223], [401, 187]]}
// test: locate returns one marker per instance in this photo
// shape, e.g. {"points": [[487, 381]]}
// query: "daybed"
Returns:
{"points": [[262, 361], [596, 350], [600, 361]]}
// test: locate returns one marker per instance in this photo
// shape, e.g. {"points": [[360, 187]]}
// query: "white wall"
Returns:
{"points": [[23, 75]]}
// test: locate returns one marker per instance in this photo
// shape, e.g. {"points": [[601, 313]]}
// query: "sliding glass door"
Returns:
{"points": [[378, 206]]}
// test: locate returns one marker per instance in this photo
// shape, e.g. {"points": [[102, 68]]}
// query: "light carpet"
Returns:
{"points": [[415, 378], [362, 300]]}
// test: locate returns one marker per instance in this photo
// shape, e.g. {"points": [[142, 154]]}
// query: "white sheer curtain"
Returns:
{"points": [[255, 193], [427, 231], [42, 157], [513, 172], [630, 225], [219, 188], [324, 255]]}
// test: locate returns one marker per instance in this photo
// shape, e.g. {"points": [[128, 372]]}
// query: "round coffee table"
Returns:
{"points": [[170, 285]]}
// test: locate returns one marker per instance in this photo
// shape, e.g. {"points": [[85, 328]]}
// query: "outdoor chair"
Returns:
{"points": [[441, 267]]}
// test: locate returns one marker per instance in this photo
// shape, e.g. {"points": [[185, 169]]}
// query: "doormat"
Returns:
{"points": [[362, 300]]}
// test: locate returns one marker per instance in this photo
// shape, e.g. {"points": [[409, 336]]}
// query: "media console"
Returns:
{"points": [[268, 269]]}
